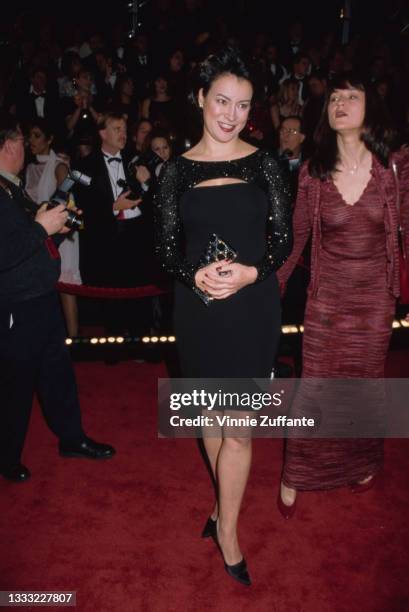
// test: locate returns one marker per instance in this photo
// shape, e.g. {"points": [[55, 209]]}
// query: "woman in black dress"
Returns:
{"points": [[227, 187]]}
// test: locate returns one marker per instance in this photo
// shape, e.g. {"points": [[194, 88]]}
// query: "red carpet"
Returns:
{"points": [[125, 533]]}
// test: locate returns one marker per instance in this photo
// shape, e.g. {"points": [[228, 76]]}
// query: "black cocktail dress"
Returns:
{"points": [[235, 337]]}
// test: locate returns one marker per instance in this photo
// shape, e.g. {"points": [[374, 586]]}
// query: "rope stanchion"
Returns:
{"points": [[112, 292]]}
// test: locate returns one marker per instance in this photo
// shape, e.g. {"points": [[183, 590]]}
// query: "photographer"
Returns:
{"points": [[111, 244], [33, 355]]}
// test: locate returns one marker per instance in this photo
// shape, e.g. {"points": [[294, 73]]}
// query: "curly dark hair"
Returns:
{"points": [[43, 125], [227, 60], [377, 134]]}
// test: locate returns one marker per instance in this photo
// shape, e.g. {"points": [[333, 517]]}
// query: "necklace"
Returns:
{"points": [[353, 170]]}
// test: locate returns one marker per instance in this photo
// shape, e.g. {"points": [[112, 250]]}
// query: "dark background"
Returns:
{"points": [[268, 15]]}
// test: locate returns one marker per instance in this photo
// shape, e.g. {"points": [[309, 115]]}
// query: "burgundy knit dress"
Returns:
{"points": [[348, 326]]}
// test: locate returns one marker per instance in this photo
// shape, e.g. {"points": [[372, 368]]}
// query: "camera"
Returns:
{"points": [[62, 195], [150, 160]]}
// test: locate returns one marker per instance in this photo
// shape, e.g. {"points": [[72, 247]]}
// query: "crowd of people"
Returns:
{"points": [[84, 98], [224, 162]]}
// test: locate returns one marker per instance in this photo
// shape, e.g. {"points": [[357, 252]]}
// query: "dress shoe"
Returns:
{"points": [[238, 571], [210, 530], [286, 511], [16, 473], [361, 487], [88, 449]]}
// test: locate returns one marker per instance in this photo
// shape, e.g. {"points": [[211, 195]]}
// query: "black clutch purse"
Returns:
{"points": [[216, 250]]}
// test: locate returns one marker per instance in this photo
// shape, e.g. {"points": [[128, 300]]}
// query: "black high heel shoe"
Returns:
{"points": [[238, 571], [210, 530]]}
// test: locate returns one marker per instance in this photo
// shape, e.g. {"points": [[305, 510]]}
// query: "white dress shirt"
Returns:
{"points": [[39, 102], [116, 172]]}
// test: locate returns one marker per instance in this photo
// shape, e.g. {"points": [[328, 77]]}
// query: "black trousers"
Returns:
{"points": [[34, 358]]}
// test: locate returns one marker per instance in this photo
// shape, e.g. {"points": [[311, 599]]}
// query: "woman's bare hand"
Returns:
{"points": [[220, 280]]}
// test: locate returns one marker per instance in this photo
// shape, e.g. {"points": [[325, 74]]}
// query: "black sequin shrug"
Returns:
{"points": [[182, 174]]}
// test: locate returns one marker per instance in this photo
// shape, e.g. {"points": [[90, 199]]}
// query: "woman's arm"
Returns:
{"points": [[403, 173], [168, 229], [301, 227], [61, 172], [279, 231]]}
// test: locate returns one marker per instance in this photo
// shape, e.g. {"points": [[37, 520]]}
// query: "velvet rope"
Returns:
{"points": [[112, 292]]}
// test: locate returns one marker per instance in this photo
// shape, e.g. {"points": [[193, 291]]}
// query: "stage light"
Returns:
{"points": [[289, 329]]}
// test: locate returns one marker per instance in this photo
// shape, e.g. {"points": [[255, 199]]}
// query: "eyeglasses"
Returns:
{"points": [[289, 131]]}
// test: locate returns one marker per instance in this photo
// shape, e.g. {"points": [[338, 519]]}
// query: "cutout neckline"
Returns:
{"points": [[200, 186], [219, 161]]}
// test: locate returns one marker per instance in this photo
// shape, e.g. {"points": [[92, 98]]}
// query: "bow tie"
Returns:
{"points": [[114, 159]]}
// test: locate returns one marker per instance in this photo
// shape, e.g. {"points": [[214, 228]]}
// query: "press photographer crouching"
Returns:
{"points": [[33, 354]]}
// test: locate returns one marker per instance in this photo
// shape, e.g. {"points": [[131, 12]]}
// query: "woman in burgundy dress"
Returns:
{"points": [[347, 198]]}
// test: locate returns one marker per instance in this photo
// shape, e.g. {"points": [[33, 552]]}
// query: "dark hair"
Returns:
{"points": [[43, 125], [299, 56], [293, 118], [120, 81], [317, 74], [68, 59], [9, 128], [378, 134], [138, 124], [35, 69], [159, 74], [134, 130], [159, 133], [227, 61]]}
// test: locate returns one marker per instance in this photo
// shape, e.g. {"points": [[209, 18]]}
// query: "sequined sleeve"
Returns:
{"points": [[168, 227], [279, 231]]}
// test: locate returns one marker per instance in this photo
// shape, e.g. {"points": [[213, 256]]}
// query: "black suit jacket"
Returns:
{"points": [[28, 267], [109, 250], [26, 108]]}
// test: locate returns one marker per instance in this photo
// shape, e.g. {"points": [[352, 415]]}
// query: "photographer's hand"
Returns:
{"points": [[53, 220], [123, 203], [142, 174]]}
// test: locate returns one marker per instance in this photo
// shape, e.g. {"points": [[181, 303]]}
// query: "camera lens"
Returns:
{"points": [[73, 220]]}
